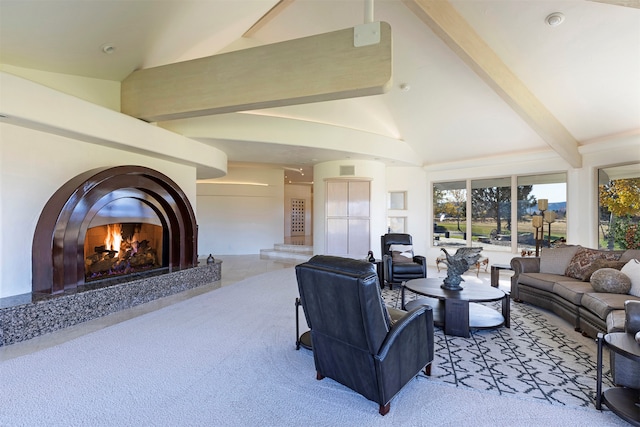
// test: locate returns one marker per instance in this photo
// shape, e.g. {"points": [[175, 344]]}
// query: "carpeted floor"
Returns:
{"points": [[227, 358]]}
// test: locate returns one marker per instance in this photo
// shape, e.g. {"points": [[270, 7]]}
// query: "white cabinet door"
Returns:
{"points": [[348, 218]]}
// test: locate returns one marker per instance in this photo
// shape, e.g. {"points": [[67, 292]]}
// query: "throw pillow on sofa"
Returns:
{"points": [[556, 260], [632, 270], [581, 262], [611, 281], [602, 263]]}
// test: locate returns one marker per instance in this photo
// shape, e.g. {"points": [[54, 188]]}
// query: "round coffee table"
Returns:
{"points": [[458, 311]]}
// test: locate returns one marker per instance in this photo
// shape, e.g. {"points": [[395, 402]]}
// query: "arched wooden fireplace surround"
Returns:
{"points": [[58, 243]]}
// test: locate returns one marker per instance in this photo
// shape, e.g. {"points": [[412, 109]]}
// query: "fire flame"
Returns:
{"points": [[114, 237]]}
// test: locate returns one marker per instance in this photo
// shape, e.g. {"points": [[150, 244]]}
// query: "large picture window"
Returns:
{"points": [[619, 207], [449, 213], [489, 206], [544, 196], [491, 213]]}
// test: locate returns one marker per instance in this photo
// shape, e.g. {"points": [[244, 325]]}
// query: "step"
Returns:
{"points": [[284, 247], [274, 254], [301, 253]]}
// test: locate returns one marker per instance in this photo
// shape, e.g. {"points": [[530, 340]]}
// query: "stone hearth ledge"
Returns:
{"points": [[29, 320]]}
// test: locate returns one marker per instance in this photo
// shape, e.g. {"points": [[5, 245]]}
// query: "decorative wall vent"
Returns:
{"points": [[348, 170]]}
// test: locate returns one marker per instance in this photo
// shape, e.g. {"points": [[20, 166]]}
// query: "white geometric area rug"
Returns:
{"points": [[539, 357]]}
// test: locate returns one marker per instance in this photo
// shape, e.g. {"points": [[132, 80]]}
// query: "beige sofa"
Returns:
{"points": [[559, 280]]}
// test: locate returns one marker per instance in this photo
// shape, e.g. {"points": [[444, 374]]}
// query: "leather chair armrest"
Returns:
{"points": [[632, 316], [416, 323], [419, 259], [386, 267]]}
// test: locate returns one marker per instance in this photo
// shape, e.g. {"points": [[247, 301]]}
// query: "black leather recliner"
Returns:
{"points": [[354, 341], [398, 272]]}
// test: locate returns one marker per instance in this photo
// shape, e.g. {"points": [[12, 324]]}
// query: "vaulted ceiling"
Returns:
{"points": [[471, 78]]}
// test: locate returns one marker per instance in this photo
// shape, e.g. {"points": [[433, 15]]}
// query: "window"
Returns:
{"points": [[492, 208], [491, 213], [397, 224], [619, 207], [532, 189], [397, 200], [449, 213]]}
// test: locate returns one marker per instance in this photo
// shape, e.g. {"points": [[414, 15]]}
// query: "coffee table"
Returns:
{"points": [[458, 311]]}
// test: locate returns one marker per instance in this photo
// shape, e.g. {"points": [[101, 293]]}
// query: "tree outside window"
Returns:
{"points": [[619, 207]]}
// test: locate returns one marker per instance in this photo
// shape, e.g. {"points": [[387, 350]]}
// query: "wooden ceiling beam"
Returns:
{"points": [[625, 3], [311, 69], [264, 20], [446, 23]]}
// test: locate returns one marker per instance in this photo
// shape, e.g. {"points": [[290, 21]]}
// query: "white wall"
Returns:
{"points": [[236, 219], [411, 180]]}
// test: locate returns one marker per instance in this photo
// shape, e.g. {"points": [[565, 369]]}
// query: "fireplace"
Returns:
{"points": [[112, 222], [122, 248]]}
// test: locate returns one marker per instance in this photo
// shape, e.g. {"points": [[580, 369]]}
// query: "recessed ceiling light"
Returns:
{"points": [[554, 19], [108, 49]]}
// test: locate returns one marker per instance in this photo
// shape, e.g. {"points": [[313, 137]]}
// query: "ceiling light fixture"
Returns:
{"points": [[108, 49], [554, 19]]}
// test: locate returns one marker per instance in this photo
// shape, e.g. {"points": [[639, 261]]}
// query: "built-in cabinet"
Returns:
{"points": [[348, 216]]}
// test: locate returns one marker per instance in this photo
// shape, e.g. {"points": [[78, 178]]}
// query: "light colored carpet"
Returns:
{"points": [[228, 358]]}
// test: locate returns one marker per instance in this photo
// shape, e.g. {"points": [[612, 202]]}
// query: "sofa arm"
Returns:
{"points": [[522, 265], [525, 265]]}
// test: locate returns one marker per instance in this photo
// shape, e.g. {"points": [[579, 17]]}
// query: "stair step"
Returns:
{"points": [[284, 247], [287, 251], [273, 254]]}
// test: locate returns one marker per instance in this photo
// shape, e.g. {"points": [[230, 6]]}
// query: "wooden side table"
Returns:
{"points": [[495, 273], [623, 401]]}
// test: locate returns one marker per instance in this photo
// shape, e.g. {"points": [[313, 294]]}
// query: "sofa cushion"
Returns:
{"points": [[556, 260], [610, 280], [601, 304], [632, 269], [581, 262], [602, 263], [630, 254], [572, 290], [544, 281]]}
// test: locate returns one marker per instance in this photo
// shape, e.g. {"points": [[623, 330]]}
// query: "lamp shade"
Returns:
{"points": [[543, 204], [536, 221], [550, 216]]}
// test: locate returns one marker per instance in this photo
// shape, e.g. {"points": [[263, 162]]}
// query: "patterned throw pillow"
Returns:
{"points": [[581, 262]]}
